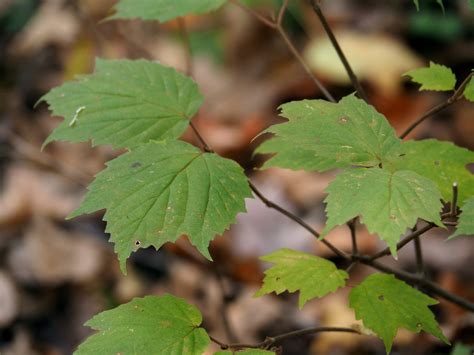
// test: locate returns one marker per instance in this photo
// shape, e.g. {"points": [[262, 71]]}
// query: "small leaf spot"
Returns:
{"points": [[393, 217], [381, 297], [136, 165], [344, 119], [419, 325], [436, 162]]}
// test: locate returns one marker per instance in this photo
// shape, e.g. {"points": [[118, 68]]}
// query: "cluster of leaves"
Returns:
{"points": [[163, 188]]}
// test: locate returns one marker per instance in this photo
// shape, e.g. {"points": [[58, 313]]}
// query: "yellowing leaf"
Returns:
{"points": [[124, 103], [163, 10], [162, 190], [297, 271], [436, 77], [321, 135], [388, 202], [386, 304], [164, 325]]}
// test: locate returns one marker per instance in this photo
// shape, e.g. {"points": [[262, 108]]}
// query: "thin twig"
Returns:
{"points": [[268, 22], [298, 220], [277, 25], [404, 241], [352, 226], [454, 201], [270, 341], [352, 76], [455, 97], [305, 66], [187, 44], [420, 266], [416, 279], [224, 306], [409, 238]]}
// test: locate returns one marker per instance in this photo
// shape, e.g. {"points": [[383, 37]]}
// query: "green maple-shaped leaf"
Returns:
{"points": [[163, 10], [466, 219], [388, 202], [321, 135], [162, 190], [435, 77], [442, 162], [469, 90], [124, 103], [297, 271], [164, 325], [245, 352], [386, 304]]}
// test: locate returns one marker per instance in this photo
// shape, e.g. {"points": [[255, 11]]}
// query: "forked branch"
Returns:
{"points": [[277, 25]]}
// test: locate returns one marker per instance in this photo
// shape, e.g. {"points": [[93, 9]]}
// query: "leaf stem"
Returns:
{"points": [[420, 267], [298, 220], [454, 201], [455, 97], [277, 25], [404, 241], [270, 341], [352, 76]]}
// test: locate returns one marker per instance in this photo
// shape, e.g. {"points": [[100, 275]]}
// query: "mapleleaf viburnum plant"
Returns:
{"points": [[162, 188]]}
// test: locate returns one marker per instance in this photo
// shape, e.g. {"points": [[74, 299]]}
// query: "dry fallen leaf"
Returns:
{"points": [[377, 58], [28, 192], [52, 24], [50, 255]]}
